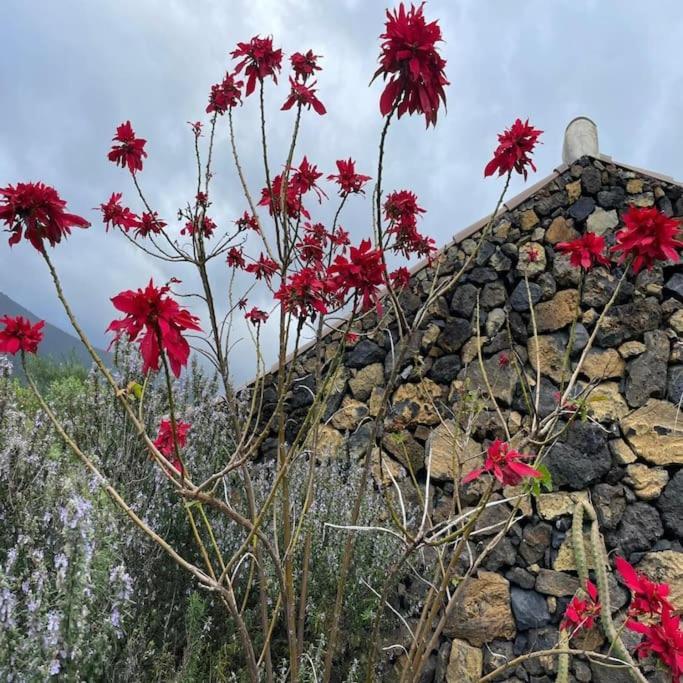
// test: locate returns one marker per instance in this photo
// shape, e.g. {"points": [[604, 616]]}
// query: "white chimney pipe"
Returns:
{"points": [[580, 138]]}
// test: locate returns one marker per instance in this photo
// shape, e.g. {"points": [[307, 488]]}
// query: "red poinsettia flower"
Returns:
{"points": [[648, 236], [515, 146], [362, 272], [304, 65], [401, 205], [664, 639], [303, 95], [158, 321], [505, 465], [270, 197], [196, 128], [208, 228], [310, 248], [304, 294], [305, 177], [585, 251], [38, 210], [225, 95], [582, 614], [259, 60], [410, 61], [402, 210], [348, 180], [150, 223], [20, 335], [648, 597], [256, 316], [116, 215], [130, 151], [400, 278], [340, 238], [247, 222], [264, 268], [235, 258], [164, 441], [242, 304], [350, 337], [503, 360]]}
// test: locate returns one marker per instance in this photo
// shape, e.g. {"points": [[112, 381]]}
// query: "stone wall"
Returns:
{"points": [[626, 456]]}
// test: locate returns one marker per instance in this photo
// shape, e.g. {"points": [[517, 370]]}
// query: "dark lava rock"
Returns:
{"points": [[582, 208], [646, 374], [535, 540], [613, 198], [610, 504], [629, 321], [546, 205], [529, 608], [484, 254], [547, 404], [493, 295], [639, 529], [599, 288], [503, 554], [670, 504], [445, 369], [454, 334], [520, 577], [357, 442], [519, 299], [674, 388], [675, 285], [303, 392], [583, 459], [591, 180], [464, 300], [481, 275], [365, 352]]}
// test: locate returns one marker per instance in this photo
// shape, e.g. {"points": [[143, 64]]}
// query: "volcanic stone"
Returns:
{"points": [[646, 375], [674, 388], [454, 334], [493, 295], [560, 230], [629, 321], [445, 369], [582, 208], [465, 663], [364, 353], [600, 221], [670, 504], [654, 433], [591, 180], [464, 300], [529, 608], [612, 198], [561, 310], [519, 299], [366, 380], [639, 528]]}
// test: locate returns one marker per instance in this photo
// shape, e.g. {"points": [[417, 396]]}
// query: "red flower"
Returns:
{"points": [[164, 441], [402, 210], [259, 61], [503, 360], [362, 272], [304, 294], [414, 68], [271, 199], [585, 251], [225, 95], [568, 405], [256, 316], [20, 335], [582, 613], [304, 96], [196, 128], [401, 205], [648, 236], [304, 65], [242, 304], [264, 268], [340, 238], [504, 463], [162, 320], [648, 597], [348, 180], [311, 247], [512, 154], [305, 177], [400, 278], [351, 338], [131, 150], [118, 216], [247, 222], [208, 228], [663, 639], [149, 223], [38, 209], [235, 257]]}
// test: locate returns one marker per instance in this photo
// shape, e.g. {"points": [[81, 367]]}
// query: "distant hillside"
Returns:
{"points": [[56, 343]]}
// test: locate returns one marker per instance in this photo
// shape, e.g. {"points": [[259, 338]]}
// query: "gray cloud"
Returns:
{"points": [[71, 71]]}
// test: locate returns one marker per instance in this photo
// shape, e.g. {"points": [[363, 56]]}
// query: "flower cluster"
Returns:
{"points": [[348, 180], [36, 211], [225, 95], [580, 613], [259, 60], [361, 272], [412, 65], [166, 443], [20, 335], [158, 321], [512, 154], [505, 464], [585, 251], [130, 150], [402, 211]]}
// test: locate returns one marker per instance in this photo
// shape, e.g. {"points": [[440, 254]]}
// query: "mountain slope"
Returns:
{"points": [[56, 343]]}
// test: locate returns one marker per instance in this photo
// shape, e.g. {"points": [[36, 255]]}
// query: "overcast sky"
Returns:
{"points": [[70, 71]]}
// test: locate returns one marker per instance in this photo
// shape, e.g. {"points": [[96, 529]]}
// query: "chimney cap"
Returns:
{"points": [[580, 139]]}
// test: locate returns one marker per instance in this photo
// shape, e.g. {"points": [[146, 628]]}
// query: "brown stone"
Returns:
{"points": [[655, 432], [622, 452], [555, 583], [350, 414], [452, 454], [634, 186], [330, 443], [465, 663], [502, 378], [560, 230], [366, 380], [573, 190], [470, 351], [384, 468], [415, 402], [531, 259], [631, 349], [404, 448], [561, 310], [605, 402], [646, 482], [603, 364], [553, 505], [482, 612], [666, 566], [528, 220], [375, 401], [551, 356], [565, 560]]}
